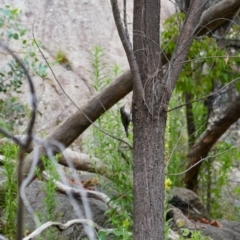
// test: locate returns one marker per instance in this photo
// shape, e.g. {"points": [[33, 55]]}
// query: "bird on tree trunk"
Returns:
{"points": [[126, 119]]}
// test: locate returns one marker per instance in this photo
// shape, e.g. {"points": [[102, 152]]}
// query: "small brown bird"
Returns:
{"points": [[126, 119]]}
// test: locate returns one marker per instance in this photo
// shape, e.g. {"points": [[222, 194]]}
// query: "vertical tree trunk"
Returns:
{"points": [[190, 121], [149, 121], [149, 112]]}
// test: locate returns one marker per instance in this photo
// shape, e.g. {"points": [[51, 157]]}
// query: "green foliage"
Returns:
{"points": [[11, 74], [176, 142], [98, 67], [206, 65], [49, 203], [111, 151], [12, 113], [9, 151], [62, 58], [192, 235], [206, 62], [50, 187], [214, 181]]}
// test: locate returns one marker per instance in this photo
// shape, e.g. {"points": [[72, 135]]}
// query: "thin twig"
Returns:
{"points": [[209, 95], [176, 174]]}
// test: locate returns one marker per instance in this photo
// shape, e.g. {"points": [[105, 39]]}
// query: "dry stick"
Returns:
{"points": [[104, 132], [22, 144], [65, 226], [76, 192]]}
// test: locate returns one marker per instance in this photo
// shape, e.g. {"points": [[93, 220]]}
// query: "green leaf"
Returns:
{"points": [[32, 54], [1, 22], [102, 235], [22, 32], [15, 36]]}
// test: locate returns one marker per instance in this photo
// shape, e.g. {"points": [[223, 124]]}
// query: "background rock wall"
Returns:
{"points": [[73, 27]]}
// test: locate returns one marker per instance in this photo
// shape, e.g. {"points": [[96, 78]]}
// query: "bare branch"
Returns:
{"points": [[83, 162], [128, 49], [183, 43], [65, 226], [217, 15], [125, 17], [200, 161], [78, 192], [208, 139]]}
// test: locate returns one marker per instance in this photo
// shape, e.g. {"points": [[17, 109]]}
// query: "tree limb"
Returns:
{"points": [[83, 162], [217, 15], [128, 49], [208, 139], [76, 124]]}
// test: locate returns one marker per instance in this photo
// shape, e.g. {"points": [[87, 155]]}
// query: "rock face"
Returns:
{"points": [[73, 27], [229, 230]]}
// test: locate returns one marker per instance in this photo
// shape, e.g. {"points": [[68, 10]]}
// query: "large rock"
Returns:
{"points": [[63, 212], [195, 209], [186, 218]]}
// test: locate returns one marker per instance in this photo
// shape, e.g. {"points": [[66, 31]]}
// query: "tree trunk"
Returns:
{"points": [[149, 121], [190, 121]]}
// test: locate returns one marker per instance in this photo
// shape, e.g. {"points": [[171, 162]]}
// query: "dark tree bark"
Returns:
{"points": [[190, 121], [149, 113], [208, 139], [148, 126]]}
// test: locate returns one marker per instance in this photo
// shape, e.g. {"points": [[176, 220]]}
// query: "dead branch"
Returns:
{"points": [[208, 139], [76, 124], [65, 226], [78, 192], [217, 15], [81, 161]]}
